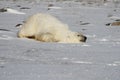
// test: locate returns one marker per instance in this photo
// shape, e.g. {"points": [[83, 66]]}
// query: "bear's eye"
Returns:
{"points": [[78, 35]]}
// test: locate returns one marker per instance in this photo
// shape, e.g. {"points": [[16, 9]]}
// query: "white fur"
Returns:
{"points": [[47, 28]]}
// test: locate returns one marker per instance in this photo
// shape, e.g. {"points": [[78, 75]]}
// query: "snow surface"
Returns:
{"points": [[25, 59]]}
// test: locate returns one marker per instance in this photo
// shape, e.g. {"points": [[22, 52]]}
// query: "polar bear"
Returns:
{"points": [[47, 28]]}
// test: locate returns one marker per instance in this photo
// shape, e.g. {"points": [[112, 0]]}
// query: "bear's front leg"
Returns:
{"points": [[45, 37]]}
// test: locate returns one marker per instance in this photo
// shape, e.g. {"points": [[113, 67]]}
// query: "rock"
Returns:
{"points": [[3, 10], [113, 24]]}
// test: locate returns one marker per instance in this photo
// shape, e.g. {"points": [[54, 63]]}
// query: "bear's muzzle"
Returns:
{"points": [[83, 39]]}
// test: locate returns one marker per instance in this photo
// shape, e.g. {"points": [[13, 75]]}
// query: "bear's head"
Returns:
{"points": [[80, 37], [75, 37]]}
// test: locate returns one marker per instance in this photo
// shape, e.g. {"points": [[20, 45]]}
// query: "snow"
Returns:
{"points": [[26, 59]]}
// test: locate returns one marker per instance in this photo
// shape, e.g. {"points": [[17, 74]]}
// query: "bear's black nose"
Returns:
{"points": [[84, 38]]}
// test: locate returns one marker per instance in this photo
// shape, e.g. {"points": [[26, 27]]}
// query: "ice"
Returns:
{"points": [[54, 7], [82, 62], [9, 10]]}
